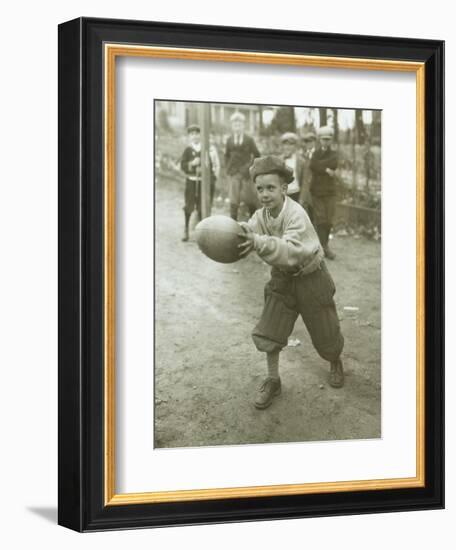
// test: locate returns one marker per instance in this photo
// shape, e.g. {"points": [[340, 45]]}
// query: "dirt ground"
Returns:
{"points": [[207, 369]]}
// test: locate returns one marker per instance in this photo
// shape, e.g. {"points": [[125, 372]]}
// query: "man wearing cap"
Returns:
{"points": [[298, 189], [305, 198], [283, 236], [239, 154], [191, 166], [323, 187], [309, 139]]}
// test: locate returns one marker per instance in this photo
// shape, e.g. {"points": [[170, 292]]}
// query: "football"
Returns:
{"points": [[218, 238]]}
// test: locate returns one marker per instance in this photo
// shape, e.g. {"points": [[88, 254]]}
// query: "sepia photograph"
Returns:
{"points": [[267, 274]]}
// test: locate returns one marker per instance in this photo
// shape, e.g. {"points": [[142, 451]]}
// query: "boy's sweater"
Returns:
{"points": [[288, 242]]}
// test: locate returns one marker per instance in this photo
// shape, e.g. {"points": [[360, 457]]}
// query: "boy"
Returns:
{"points": [[298, 189], [323, 187], [309, 139], [283, 236], [191, 166], [239, 154], [305, 199]]}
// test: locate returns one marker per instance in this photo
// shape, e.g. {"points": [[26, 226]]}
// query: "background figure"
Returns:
{"points": [[305, 197], [294, 161], [215, 162], [191, 166], [323, 165], [239, 154]]}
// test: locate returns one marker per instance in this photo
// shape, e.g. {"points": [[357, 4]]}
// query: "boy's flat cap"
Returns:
{"points": [[271, 165], [237, 116], [193, 128], [325, 132], [308, 136], [290, 137]]}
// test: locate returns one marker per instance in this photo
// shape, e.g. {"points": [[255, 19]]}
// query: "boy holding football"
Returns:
{"points": [[282, 235]]}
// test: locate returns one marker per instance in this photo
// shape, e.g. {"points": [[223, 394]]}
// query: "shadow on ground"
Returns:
{"points": [[49, 513]]}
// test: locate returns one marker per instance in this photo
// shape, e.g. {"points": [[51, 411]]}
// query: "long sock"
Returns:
{"points": [[234, 211], [187, 220], [325, 235], [321, 232], [272, 359], [328, 232]]}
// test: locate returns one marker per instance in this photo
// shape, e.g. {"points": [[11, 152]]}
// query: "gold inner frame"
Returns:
{"points": [[111, 52]]}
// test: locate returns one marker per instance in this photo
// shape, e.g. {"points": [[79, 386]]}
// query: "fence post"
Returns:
{"points": [[204, 118], [353, 140]]}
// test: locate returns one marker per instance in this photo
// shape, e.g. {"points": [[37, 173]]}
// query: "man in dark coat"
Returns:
{"points": [[323, 188], [240, 152], [309, 140]]}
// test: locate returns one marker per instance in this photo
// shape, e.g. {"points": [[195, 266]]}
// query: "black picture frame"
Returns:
{"points": [[81, 472]]}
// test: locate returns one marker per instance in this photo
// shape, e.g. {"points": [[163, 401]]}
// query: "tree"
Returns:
{"points": [[163, 122], [323, 116], [360, 128], [336, 126], [376, 129], [260, 112], [284, 120]]}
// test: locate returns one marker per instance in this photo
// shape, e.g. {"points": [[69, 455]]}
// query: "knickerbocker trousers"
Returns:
{"points": [[312, 297]]}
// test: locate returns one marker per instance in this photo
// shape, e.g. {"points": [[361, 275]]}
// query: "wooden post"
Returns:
{"points": [[367, 163], [336, 126], [354, 142], [204, 121], [261, 125], [323, 116]]}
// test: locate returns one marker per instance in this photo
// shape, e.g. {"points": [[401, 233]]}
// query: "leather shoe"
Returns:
{"points": [[336, 374], [329, 253], [268, 390]]}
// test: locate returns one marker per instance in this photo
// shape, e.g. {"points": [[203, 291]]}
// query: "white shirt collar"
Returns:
{"points": [[239, 137], [291, 160]]}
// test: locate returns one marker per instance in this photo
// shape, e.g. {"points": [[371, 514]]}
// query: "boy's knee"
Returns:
{"points": [[330, 350], [266, 344], [276, 324]]}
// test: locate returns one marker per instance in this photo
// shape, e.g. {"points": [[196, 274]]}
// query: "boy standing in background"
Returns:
{"points": [[240, 151], [295, 162], [323, 187], [305, 198], [191, 166]]}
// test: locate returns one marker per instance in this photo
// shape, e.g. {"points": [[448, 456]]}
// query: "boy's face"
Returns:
{"points": [[271, 190], [194, 137], [309, 144], [237, 126], [288, 148], [325, 142]]}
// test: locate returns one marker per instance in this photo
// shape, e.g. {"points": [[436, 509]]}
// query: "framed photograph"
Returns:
{"points": [[250, 274]]}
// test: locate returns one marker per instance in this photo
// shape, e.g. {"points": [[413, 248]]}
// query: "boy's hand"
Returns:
{"points": [[330, 172], [195, 162], [247, 246]]}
